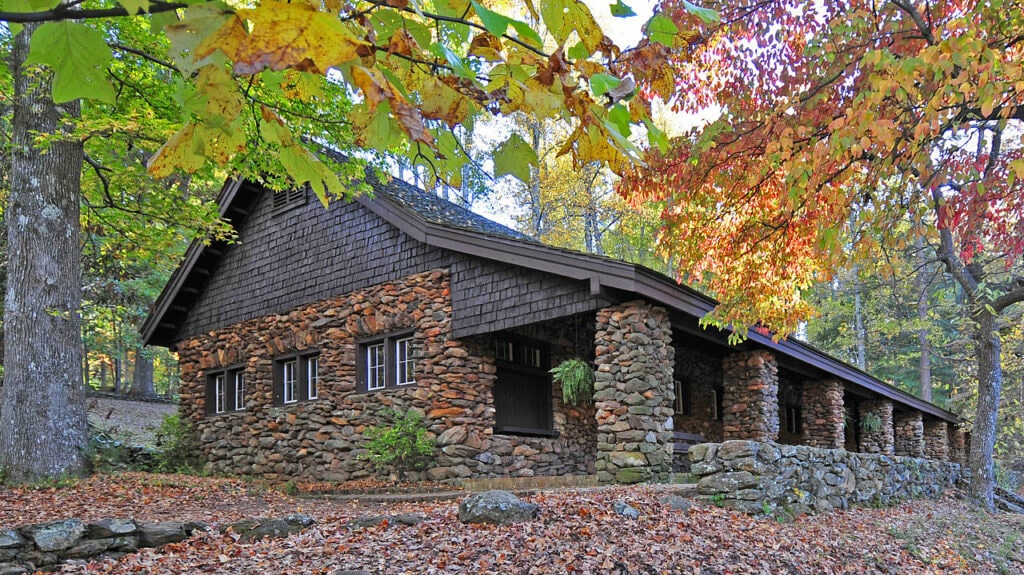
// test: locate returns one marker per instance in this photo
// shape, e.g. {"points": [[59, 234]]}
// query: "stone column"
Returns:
{"points": [[957, 445], [876, 427], [633, 393], [908, 433], [751, 399], [936, 439], [822, 406]]}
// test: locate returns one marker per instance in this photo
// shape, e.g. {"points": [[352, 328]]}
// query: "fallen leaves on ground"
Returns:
{"points": [[576, 533]]}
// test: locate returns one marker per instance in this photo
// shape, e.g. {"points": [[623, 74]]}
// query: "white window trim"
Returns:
{"points": [[406, 366], [220, 393], [239, 391], [313, 377], [288, 383], [376, 376]]}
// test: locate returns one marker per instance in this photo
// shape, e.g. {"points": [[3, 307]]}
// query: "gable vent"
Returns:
{"points": [[288, 199]]}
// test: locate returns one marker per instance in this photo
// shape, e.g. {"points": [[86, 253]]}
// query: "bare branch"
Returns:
{"points": [[63, 12]]}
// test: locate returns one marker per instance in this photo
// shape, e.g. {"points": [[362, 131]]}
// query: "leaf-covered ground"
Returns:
{"points": [[577, 532]]}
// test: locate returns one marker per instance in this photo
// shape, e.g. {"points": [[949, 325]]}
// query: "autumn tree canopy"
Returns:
{"points": [[842, 116]]}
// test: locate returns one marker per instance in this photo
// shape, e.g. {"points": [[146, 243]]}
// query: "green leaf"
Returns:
{"points": [[619, 116], [620, 10], [495, 23], [662, 30], [134, 6], [708, 15], [600, 84], [656, 137], [78, 56], [514, 157], [456, 62], [527, 34]]}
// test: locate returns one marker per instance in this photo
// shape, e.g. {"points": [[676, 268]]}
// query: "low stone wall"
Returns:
{"points": [[759, 477], [44, 545]]}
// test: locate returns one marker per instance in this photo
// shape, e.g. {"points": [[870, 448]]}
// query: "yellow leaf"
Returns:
{"points": [[439, 102], [178, 153], [283, 35]]}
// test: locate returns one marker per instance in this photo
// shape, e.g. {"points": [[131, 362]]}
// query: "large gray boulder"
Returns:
{"points": [[157, 534], [256, 529], [55, 536], [496, 508]]}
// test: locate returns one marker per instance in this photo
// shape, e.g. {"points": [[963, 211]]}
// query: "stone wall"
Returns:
{"points": [[824, 424], [699, 375], [876, 432], [751, 396], [324, 439], [42, 546], [908, 433], [633, 393], [759, 477]]}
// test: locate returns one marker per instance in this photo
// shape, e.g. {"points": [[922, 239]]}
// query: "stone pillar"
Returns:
{"points": [[633, 393], [908, 433], [957, 446], [876, 427], [822, 406], [936, 439], [751, 396]]}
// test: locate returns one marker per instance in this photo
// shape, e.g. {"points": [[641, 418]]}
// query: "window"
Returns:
{"points": [[522, 390], [296, 378], [684, 404], [716, 404], [794, 420], [225, 391], [387, 363]]}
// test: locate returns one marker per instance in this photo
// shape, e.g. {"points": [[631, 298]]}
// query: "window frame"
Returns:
{"points": [[222, 397], [384, 376], [296, 390], [530, 359], [794, 419]]}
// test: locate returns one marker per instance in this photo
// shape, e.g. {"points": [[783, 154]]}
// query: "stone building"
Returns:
{"points": [[304, 331]]}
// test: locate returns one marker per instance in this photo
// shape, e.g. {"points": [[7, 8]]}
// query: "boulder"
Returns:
{"points": [[56, 535], [157, 534], [11, 538], [256, 529], [496, 507], [111, 528], [625, 509], [677, 503]]}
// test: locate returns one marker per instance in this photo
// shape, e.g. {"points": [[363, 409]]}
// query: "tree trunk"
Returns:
{"points": [[43, 429], [142, 375], [858, 322], [988, 350], [923, 343]]}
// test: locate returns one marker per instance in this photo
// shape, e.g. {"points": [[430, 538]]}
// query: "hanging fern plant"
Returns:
{"points": [[577, 379]]}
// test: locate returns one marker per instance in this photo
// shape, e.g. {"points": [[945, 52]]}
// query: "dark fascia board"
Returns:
{"points": [[630, 278], [195, 251]]}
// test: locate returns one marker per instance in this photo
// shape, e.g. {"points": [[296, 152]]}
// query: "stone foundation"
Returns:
{"points": [[750, 403], [936, 439], [759, 477], [908, 433], [822, 402], [876, 436], [633, 393], [324, 439]]}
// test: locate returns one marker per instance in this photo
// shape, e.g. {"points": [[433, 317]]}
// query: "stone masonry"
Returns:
{"points": [[957, 445], [936, 439], [750, 401], [324, 439], [876, 433], [908, 433], [633, 393], [822, 402]]}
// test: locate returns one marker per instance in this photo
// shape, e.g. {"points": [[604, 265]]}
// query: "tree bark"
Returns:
{"points": [[142, 374], [43, 429], [923, 343], [988, 351]]}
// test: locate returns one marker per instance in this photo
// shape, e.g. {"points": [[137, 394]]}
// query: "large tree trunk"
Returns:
{"points": [[142, 374], [988, 350], [43, 430]]}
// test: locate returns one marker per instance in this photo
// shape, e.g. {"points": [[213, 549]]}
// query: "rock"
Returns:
{"points": [[726, 482], [12, 569], [495, 507], [625, 509], [351, 572], [157, 534], [55, 536], [87, 548], [630, 475], [365, 522], [410, 518], [677, 503], [452, 436], [11, 538], [257, 529], [111, 528]]}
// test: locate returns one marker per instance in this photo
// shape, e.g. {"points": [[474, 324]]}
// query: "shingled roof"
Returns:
{"points": [[439, 223]]}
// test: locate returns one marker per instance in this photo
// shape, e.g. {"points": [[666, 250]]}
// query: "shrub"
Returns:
{"points": [[401, 447], [177, 447], [577, 379]]}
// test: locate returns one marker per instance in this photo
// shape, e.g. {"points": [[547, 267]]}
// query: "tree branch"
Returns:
{"points": [[922, 26], [142, 54], [947, 256], [63, 12], [1011, 297]]}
